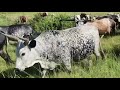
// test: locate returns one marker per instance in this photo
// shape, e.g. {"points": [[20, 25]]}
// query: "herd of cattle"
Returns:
{"points": [[56, 47]]}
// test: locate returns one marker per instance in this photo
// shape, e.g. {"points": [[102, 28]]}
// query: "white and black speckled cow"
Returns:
{"points": [[55, 47]]}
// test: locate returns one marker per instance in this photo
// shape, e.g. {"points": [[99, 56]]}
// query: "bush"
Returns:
{"points": [[50, 22]]}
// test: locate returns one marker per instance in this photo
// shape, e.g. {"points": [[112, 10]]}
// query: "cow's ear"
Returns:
{"points": [[32, 44]]}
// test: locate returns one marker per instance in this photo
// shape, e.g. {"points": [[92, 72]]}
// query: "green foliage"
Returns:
{"points": [[50, 22]]}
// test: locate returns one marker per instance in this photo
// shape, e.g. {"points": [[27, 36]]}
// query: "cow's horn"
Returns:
{"points": [[24, 39], [9, 36], [14, 37]]}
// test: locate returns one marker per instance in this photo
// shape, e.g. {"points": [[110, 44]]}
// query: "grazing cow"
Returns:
{"points": [[21, 30], [44, 14], [17, 30], [116, 18], [23, 19], [104, 26], [3, 41], [52, 48]]}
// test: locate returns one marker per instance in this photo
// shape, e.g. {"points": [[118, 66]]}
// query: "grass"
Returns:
{"points": [[109, 68]]}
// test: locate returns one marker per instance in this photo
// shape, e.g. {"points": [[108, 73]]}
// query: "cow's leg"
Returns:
{"points": [[5, 56], [85, 64], [44, 73], [66, 59], [102, 52], [96, 51], [113, 29], [8, 57], [8, 41], [102, 36], [67, 63]]}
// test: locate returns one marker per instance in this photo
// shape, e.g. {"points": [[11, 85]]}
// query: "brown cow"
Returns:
{"points": [[43, 14], [23, 19], [105, 26]]}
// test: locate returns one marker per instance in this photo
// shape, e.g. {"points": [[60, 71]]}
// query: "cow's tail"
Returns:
{"points": [[101, 51]]}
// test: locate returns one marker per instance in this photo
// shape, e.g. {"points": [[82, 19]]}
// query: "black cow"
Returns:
{"points": [[85, 17]]}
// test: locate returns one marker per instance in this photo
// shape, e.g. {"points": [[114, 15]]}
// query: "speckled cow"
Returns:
{"points": [[55, 47]]}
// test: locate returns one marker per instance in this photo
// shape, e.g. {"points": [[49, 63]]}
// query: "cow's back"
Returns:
{"points": [[19, 30], [56, 44], [103, 25]]}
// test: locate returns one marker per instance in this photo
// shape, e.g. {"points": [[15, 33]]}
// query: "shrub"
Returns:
{"points": [[50, 22]]}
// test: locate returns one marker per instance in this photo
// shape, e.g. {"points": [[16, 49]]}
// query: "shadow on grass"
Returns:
{"points": [[32, 72]]}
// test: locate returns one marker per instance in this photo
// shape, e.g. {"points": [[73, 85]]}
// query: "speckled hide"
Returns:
{"points": [[56, 47], [74, 42]]}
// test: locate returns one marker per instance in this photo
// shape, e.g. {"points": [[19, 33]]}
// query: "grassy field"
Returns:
{"points": [[109, 68]]}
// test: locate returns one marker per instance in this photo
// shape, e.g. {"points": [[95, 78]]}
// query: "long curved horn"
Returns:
{"points": [[9, 36], [24, 39], [14, 37]]}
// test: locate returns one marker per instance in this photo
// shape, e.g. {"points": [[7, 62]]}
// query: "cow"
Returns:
{"points": [[3, 41], [56, 47], [17, 30], [23, 19], [116, 18], [43, 14], [21, 30], [85, 17], [105, 26], [82, 19], [78, 20]]}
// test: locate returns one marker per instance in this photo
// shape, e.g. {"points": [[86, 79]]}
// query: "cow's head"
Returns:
{"points": [[33, 53], [27, 56]]}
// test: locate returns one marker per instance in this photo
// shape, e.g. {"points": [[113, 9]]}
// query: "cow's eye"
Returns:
{"points": [[23, 54]]}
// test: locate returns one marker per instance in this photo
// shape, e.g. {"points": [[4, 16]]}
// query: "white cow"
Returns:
{"points": [[52, 48]]}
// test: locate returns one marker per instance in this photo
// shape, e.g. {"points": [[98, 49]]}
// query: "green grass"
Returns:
{"points": [[109, 68]]}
